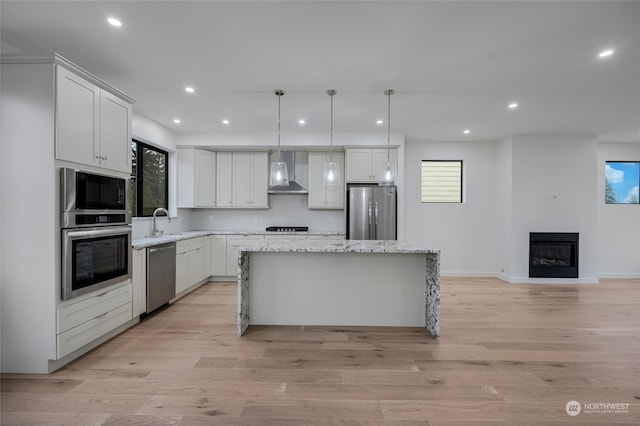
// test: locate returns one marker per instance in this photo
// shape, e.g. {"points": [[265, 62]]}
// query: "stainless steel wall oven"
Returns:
{"points": [[95, 231]]}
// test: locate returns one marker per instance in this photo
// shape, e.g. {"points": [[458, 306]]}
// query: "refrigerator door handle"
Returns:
{"points": [[370, 213], [375, 220]]}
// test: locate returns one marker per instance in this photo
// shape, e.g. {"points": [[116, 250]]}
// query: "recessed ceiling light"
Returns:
{"points": [[466, 131], [176, 120], [301, 121], [605, 53], [225, 121], [379, 122], [115, 22], [189, 89], [513, 105]]}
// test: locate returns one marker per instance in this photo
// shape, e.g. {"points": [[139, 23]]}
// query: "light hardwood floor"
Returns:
{"points": [[508, 354]]}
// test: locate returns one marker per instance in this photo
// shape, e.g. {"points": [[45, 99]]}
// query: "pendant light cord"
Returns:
{"points": [[331, 93], [389, 92], [279, 93]]}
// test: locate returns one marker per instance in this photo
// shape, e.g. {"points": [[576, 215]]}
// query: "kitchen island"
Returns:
{"points": [[338, 283]]}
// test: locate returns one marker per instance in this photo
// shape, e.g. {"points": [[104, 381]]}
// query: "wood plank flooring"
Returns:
{"points": [[508, 354]]}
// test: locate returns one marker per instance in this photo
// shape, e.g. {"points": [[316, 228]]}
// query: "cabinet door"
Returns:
{"points": [[259, 180], [182, 271], [205, 178], [242, 179], [77, 106], [115, 133], [335, 193], [379, 159], [218, 255], [322, 196], [233, 241], [224, 179], [359, 165], [197, 270], [317, 197], [139, 280]]}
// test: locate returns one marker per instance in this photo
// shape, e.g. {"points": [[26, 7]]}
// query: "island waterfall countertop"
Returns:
{"points": [[336, 246], [338, 282]]}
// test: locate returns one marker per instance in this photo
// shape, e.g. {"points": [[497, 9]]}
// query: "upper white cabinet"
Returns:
{"points": [[325, 196], [196, 178], [365, 164], [250, 173], [93, 126], [224, 179]]}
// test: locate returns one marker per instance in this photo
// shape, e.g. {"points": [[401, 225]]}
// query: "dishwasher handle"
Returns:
{"points": [[162, 248]]}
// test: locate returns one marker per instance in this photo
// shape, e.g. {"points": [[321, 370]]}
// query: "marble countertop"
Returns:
{"points": [[335, 246], [139, 243]]}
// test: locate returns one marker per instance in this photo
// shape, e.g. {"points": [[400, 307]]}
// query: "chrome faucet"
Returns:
{"points": [[155, 232]]}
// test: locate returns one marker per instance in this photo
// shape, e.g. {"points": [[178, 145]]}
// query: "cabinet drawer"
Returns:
{"points": [[325, 237], [184, 246], [79, 336], [238, 240], [285, 237], [78, 313]]}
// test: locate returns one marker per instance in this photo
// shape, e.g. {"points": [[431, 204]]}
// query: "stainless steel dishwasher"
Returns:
{"points": [[161, 275]]}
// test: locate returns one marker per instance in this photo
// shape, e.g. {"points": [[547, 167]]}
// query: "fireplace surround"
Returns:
{"points": [[553, 254]]}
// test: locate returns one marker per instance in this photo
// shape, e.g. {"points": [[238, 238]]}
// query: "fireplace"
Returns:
{"points": [[553, 255]]}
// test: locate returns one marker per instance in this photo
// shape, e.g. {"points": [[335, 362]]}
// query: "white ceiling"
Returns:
{"points": [[454, 65]]}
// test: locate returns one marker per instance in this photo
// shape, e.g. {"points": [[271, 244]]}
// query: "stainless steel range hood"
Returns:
{"points": [[296, 165]]}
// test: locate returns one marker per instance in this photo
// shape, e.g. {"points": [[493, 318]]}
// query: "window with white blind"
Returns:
{"points": [[441, 181]]}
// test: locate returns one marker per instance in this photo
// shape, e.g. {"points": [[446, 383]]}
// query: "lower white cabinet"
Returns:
{"points": [[139, 281], [190, 263], [233, 241], [80, 323], [325, 237], [219, 255], [285, 237]]}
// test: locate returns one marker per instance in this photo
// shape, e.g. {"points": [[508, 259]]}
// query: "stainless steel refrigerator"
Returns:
{"points": [[371, 212]]}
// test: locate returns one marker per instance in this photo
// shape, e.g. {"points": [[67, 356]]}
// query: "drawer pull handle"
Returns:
{"points": [[102, 316]]}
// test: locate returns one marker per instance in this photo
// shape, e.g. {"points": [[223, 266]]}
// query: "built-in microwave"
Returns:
{"points": [[89, 199]]}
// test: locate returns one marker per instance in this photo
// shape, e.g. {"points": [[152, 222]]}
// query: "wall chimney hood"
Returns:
{"points": [[296, 164]]}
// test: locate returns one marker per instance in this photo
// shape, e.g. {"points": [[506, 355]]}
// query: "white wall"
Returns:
{"points": [[504, 215], [465, 233], [618, 224], [554, 182]]}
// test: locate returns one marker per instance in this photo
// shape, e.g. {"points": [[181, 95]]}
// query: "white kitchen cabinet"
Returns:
{"points": [[233, 241], [196, 178], [93, 126], [139, 280], [224, 179], [325, 237], [219, 255], [250, 174], [365, 164], [325, 196], [190, 263], [44, 129], [80, 323]]}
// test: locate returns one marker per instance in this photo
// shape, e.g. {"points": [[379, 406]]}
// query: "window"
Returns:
{"points": [[621, 182], [149, 179], [441, 181]]}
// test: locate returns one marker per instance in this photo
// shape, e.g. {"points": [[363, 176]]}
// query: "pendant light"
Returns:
{"points": [[389, 170], [331, 169], [279, 175]]}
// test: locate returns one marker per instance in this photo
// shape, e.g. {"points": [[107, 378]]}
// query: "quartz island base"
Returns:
{"points": [[338, 288]]}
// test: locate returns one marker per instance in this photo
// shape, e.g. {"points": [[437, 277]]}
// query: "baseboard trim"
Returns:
{"points": [[620, 276], [556, 281]]}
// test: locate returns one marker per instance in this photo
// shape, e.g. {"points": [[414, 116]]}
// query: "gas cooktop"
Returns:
{"points": [[287, 229]]}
